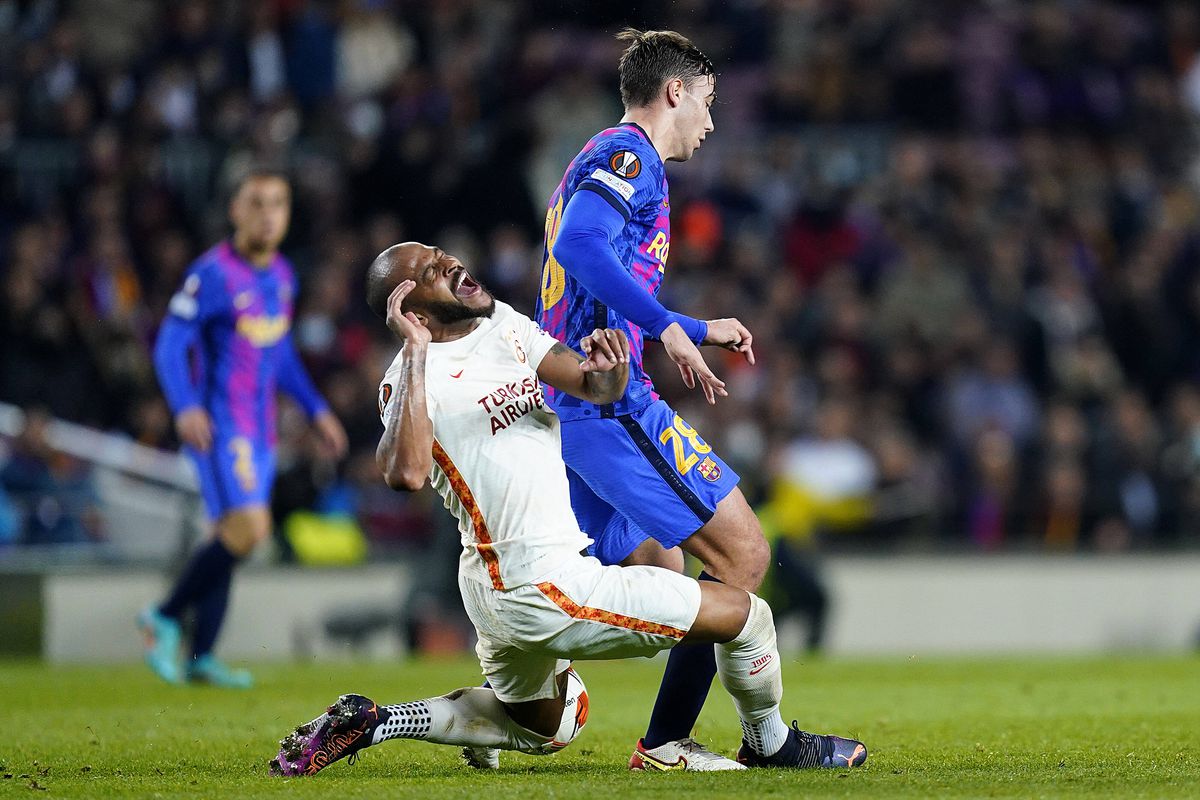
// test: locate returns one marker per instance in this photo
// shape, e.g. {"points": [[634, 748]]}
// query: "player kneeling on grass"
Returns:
{"points": [[462, 406]]}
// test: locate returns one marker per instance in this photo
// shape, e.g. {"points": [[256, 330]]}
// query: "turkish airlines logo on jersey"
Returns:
{"points": [[626, 164]]}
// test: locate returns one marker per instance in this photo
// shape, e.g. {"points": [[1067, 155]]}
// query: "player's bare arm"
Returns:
{"points": [[732, 335], [600, 377], [405, 452]]}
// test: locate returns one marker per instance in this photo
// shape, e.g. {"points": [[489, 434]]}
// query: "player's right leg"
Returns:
{"points": [[650, 473], [643, 609], [750, 670]]}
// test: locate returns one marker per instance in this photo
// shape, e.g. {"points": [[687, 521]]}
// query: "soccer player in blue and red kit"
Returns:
{"points": [[643, 481], [223, 352]]}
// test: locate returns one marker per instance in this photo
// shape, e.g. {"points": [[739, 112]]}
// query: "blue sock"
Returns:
{"points": [[206, 566], [210, 613], [685, 684]]}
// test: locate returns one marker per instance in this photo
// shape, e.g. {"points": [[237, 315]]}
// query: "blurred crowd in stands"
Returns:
{"points": [[966, 236]]}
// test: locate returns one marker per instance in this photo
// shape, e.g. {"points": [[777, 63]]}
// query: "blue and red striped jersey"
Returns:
{"points": [[621, 166], [226, 344]]}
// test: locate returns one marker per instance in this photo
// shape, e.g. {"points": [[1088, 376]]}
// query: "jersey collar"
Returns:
{"points": [[640, 130]]}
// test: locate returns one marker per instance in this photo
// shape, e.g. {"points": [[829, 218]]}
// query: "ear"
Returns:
{"points": [[674, 91]]}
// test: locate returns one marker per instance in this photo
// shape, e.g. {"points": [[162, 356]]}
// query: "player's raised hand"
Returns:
{"points": [[731, 334], [604, 349], [691, 364], [194, 428], [405, 325]]}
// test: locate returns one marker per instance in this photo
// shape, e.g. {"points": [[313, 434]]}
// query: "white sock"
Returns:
{"points": [[750, 671], [472, 716]]}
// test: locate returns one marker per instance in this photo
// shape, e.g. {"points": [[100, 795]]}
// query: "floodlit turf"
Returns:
{"points": [[935, 728]]}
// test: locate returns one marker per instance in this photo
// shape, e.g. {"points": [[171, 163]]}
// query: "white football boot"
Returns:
{"points": [[481, 757], [681, 754]]}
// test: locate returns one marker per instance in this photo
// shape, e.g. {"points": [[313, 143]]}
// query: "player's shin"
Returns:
{"points": [[750, 671], [471, 717], [685, 684]]}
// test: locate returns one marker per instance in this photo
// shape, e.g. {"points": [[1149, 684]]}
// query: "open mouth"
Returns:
{"points": [[464, 286]]}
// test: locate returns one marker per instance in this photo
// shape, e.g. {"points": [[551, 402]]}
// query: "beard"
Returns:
{"points": [[447, 313]]}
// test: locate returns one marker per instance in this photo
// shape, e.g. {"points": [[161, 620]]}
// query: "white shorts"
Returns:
{"points": [[580, 611]]}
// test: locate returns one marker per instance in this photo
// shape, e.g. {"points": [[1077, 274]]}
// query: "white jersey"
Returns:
{"points": [[497, 450]]}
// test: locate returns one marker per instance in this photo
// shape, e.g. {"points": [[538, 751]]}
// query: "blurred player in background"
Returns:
{"points": [[223, 352], [643, 481], [463, 409]]}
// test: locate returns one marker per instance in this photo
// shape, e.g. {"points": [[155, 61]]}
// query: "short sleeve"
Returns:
{"points": [[624, 170], [387, 394], [534, 341]]}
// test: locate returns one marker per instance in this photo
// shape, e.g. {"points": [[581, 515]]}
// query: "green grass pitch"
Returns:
{"points": [[1114, 727]]}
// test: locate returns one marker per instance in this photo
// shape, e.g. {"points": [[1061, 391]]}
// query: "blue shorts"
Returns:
{"points": [[235, 472], [641, 475]]}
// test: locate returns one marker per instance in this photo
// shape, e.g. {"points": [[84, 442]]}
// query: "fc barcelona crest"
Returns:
{"points": [[709, 469]]}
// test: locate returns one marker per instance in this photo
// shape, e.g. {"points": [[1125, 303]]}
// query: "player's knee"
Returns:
{"points": [[750, 554], [742, 560], [756, 560], [722, 615], [241, 531]]}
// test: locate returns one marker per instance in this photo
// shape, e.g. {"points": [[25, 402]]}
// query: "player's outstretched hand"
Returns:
{"points": [[406, 326], [732, 335], [332, 434], [691, 364], [604, 349], [194, 428]]}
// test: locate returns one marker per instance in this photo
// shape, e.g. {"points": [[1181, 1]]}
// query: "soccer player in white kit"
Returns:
{"points": [[462, 407]]}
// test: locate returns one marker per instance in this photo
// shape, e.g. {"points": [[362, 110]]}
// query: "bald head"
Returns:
{"points": [[388, 269], [444, 292]]}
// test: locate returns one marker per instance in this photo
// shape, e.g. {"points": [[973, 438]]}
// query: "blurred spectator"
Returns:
{"points": [[976, 225], [53, 490]]}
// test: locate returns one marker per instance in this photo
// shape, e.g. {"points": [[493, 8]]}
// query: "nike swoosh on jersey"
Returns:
{"points": [[456, 374]]}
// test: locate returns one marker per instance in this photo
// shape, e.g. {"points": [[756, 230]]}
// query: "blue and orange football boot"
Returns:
{"points": [[207, 669], [346, 727], [804, 750]]}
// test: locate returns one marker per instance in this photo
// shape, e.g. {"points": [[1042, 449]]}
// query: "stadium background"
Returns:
{"points": [[966, 237]]}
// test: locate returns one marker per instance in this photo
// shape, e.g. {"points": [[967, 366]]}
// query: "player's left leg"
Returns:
{"points": [[731, 544], [239, 532]]}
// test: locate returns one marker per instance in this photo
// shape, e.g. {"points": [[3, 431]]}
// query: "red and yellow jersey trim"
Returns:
{"points": [[577, 611], [458, 485]]}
